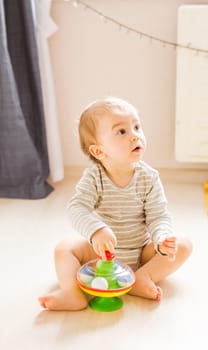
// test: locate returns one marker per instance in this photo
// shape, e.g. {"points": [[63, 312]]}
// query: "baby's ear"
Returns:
{"points": [[96, 152]]}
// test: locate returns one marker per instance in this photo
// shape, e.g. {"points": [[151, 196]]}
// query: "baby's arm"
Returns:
{"points": [[158, 220], [83, 218], [103, 239]]}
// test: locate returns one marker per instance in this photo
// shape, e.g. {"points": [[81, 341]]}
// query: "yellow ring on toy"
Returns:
{"points": [[105, 293]]}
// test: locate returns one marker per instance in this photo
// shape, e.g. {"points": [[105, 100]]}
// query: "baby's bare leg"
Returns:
{"points": [[69, 256], [155, 267]]}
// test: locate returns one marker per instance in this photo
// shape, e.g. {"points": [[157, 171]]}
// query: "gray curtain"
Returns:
{"points": [[23, 152]]}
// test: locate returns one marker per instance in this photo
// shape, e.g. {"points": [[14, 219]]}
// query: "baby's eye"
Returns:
{"points": [[137, 127], [121, 131]]}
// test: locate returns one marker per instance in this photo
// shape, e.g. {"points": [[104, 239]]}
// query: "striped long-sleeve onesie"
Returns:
{"points": [[135, 213]]}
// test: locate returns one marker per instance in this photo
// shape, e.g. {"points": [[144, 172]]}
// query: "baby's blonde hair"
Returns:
{"points": [[94, 112]]}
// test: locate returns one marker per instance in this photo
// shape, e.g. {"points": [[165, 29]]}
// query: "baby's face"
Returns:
{"points": [[121, 138]]}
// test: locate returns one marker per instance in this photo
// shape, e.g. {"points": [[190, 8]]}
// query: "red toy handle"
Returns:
{"points": [[109, 256]]}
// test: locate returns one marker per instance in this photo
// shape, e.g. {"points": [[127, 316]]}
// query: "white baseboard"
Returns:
{"points": [[192, 176]]}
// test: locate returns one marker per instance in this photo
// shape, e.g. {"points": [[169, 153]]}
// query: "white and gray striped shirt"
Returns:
{"points": [[135, 213]]}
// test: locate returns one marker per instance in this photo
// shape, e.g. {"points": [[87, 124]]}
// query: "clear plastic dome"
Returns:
{"points": [[107, 276]]}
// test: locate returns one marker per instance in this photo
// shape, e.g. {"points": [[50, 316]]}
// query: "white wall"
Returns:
{"points": [[92, 59]]}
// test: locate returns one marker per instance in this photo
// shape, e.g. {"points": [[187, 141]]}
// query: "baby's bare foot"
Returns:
{"points": [[145, 287], [64, 300], [159, 293]]}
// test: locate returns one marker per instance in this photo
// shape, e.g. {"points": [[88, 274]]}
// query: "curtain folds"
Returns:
{"points": [[24, 164], [45, 28]]}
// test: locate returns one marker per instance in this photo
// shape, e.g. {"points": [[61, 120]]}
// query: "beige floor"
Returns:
{"points": [[29, 232]]}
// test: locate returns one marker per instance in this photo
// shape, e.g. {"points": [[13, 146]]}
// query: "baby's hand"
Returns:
{"points": [[168, 247], [103, 239]]}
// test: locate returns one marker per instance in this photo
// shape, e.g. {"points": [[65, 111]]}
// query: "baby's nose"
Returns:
{"points": [[134, 138]]}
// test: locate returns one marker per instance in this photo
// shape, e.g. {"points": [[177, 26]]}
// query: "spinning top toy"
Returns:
{"points": [[106, 280]]}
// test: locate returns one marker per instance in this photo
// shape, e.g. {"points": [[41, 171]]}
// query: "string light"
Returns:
{"points": [[128, 29], [75, 4]]}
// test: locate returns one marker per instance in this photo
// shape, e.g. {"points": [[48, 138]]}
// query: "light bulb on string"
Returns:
{"points": [[103, 18], [75, 4]]}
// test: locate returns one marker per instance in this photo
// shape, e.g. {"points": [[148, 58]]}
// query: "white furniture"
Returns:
{"points": [[191, 135]]}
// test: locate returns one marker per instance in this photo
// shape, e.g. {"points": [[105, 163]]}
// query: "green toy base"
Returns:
{"points": [[106, 304]]}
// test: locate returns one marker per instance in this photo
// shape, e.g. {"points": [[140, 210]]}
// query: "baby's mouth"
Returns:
{"points": [[136, 149]]}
